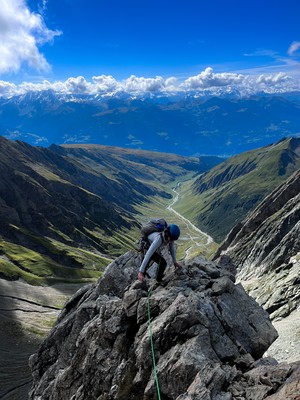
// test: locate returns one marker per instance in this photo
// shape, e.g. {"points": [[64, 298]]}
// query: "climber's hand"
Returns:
{"points": [[141, 276]]}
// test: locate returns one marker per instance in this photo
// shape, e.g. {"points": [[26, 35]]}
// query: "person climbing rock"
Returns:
{"points": [[157, 240]]}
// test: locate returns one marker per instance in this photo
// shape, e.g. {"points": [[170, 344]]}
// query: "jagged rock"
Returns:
{"points": [[265, 249], [207, 336], [291, 388]]}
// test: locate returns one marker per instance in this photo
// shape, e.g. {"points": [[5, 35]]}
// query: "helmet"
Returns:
{"points": [[174, 231]]}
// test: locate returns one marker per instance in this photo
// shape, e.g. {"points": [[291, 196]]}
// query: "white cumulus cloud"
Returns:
{"points": [[105, 84], [273, 79], [7, 89], [208, 79], [78, 85], [207, 82], [21, 33], [135, 84]]}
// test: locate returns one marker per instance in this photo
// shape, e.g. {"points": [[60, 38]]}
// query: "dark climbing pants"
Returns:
{"points": [[162, 264]]}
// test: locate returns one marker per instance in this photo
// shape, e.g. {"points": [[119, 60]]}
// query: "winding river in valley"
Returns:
{"points": [[198, 239]]}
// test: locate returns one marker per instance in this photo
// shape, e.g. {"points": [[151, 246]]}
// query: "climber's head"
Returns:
{"points": [[173, 232]]}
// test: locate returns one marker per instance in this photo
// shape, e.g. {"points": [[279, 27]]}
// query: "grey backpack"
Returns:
{"points": [[153, 225]]}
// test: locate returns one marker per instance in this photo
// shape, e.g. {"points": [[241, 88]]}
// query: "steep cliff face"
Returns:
{"points": [[265, 247], [208, 339]]}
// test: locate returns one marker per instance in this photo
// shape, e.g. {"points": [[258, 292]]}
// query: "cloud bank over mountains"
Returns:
{"points": [[206, 81], [23, 32]]}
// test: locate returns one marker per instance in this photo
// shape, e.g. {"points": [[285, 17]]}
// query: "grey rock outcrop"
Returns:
{"points": [[208, 339], [265, 248]]}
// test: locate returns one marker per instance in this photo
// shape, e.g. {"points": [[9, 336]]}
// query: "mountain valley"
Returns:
{"points": [[68, 211], [220, 198]]}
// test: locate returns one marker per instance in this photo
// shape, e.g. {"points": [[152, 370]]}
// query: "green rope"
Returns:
{"points": [[151, 341]]}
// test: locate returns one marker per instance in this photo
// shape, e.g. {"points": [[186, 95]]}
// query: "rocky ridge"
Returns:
{"points": [[265, 247], [208, 335]]}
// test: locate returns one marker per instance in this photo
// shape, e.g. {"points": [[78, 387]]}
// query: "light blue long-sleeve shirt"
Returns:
{"points": [[156, 241]]}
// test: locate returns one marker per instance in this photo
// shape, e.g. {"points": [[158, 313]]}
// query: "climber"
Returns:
{"points": [[157, 240]]}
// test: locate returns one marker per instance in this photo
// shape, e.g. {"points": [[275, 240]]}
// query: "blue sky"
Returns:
{"points": [[103, 47]]}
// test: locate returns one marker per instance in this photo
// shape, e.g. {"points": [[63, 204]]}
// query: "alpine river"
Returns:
{"points": [[199, 238]]}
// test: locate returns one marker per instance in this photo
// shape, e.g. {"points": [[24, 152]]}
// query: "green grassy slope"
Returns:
{"points": [[220, 198]]}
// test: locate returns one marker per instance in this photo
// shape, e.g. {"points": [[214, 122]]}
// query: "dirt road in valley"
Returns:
{"points": [[197, 238]]}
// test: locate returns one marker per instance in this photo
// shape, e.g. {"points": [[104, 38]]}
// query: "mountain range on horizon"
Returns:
{"points": [[220, 126]]}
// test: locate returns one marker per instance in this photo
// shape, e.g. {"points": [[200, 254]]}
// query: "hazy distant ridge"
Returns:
{"points": [[183, 125]]}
